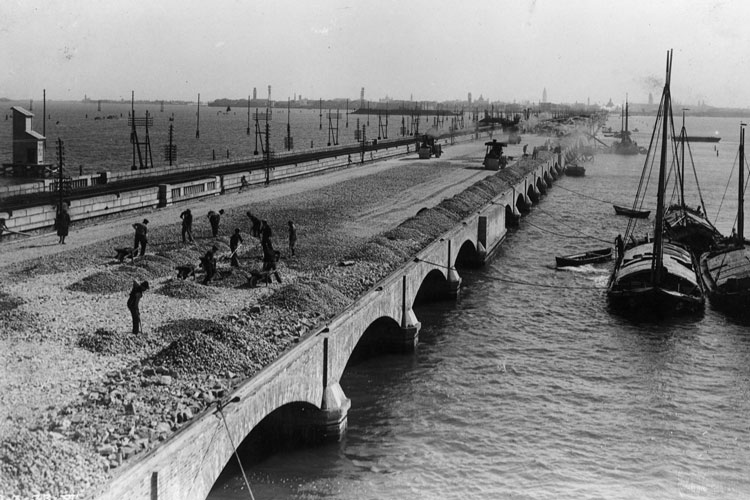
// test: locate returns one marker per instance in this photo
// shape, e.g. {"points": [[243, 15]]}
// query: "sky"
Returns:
{"points": [[425, 50]]}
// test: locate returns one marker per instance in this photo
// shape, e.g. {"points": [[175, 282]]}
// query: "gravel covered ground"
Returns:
{"points": [[80, 394]]}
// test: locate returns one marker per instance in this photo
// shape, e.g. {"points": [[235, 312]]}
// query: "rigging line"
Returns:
{"points": [[219, 409], [203, 458], [584, 235], [519, 282], [543, 285], [584, 195], [729, 180]]}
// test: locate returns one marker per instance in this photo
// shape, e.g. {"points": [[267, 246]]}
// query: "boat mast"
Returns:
{"points": [[683, 137], [656, 265], [740, 189], [626, 112]]}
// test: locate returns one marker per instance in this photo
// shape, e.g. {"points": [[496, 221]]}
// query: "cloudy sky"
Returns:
{"points": [[425, 49]]}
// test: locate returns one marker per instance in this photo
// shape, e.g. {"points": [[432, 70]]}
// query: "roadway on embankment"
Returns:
{"points": [[467, 157]]}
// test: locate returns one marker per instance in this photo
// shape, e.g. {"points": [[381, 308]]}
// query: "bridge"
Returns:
{"points": [[299, 394]]}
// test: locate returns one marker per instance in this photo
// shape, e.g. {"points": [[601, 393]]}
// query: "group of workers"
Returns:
{"points": [[259, 229]]}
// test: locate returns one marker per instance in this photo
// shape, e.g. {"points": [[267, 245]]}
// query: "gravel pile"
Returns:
{"points": [[107, 342], [8, 302], [324, 299], [237, 345], [60, 469], [183, 289], [111, 281]]}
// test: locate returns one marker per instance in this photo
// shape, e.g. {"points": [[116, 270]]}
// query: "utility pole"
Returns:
{"points": [[198, 122]]}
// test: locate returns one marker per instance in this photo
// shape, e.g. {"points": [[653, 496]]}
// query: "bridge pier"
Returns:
{"points": [[408, 333], [532, 193], [541, 186], [329, 424], [454, 283]]}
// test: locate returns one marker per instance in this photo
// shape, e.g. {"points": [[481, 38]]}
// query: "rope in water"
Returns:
{"points": [[566, 225], [524, 283]]}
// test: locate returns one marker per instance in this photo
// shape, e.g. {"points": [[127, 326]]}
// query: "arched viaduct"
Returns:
{"points": [[301, 389]]}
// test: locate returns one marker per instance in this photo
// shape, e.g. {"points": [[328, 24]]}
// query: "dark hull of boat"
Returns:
{"points": [[626, 151], [593, 257], [691, 228], [703, 139], [730, 269], [655, 301], [636, 214], [576, 171]]}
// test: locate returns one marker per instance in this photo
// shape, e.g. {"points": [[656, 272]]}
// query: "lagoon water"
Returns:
{"points": [[528, 387], [97, 141]]}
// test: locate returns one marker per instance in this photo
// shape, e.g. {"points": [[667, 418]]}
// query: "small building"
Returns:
{"points": [[28, 148]]}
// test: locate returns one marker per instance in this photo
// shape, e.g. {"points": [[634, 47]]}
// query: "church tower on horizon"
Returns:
{"points": [[544, 95]]}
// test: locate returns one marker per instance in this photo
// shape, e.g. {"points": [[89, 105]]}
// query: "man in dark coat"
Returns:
{"points": [[214, 219], [133, 301], [265, 232], [234, 244], [255, 229], [62, 224], [141, 238], [187, 225], [208, 262], [270, 258]]}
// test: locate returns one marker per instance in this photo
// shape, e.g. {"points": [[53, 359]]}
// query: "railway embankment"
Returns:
{"points": [[83, 398]]}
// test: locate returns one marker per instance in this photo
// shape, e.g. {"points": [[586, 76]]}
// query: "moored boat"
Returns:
{"points": [[630, 212], [625, 146], [682, 222], [575, 170], [583, 258], [699, 138], [725, 271], [658, 276]]}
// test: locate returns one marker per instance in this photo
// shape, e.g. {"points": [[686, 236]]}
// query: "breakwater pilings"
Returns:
{"points": [[300, 392]]}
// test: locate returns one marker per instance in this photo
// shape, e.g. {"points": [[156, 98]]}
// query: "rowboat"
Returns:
{"points": [[636, 214], [581, 259], [575, 170]]}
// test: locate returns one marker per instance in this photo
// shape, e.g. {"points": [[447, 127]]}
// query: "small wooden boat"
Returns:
{"points": [[575, 170], [636, 214], [581, 259]]}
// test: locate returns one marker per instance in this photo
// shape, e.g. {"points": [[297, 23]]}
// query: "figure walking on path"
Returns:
{"points": [[141, 238], [62, 223], [133, 301], [243, 184], [292, 236], [209, 264], [214, 219], [234, 244], [187, 225]]}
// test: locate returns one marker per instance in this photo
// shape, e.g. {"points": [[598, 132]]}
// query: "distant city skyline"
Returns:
{"points": [[431, 50]]}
